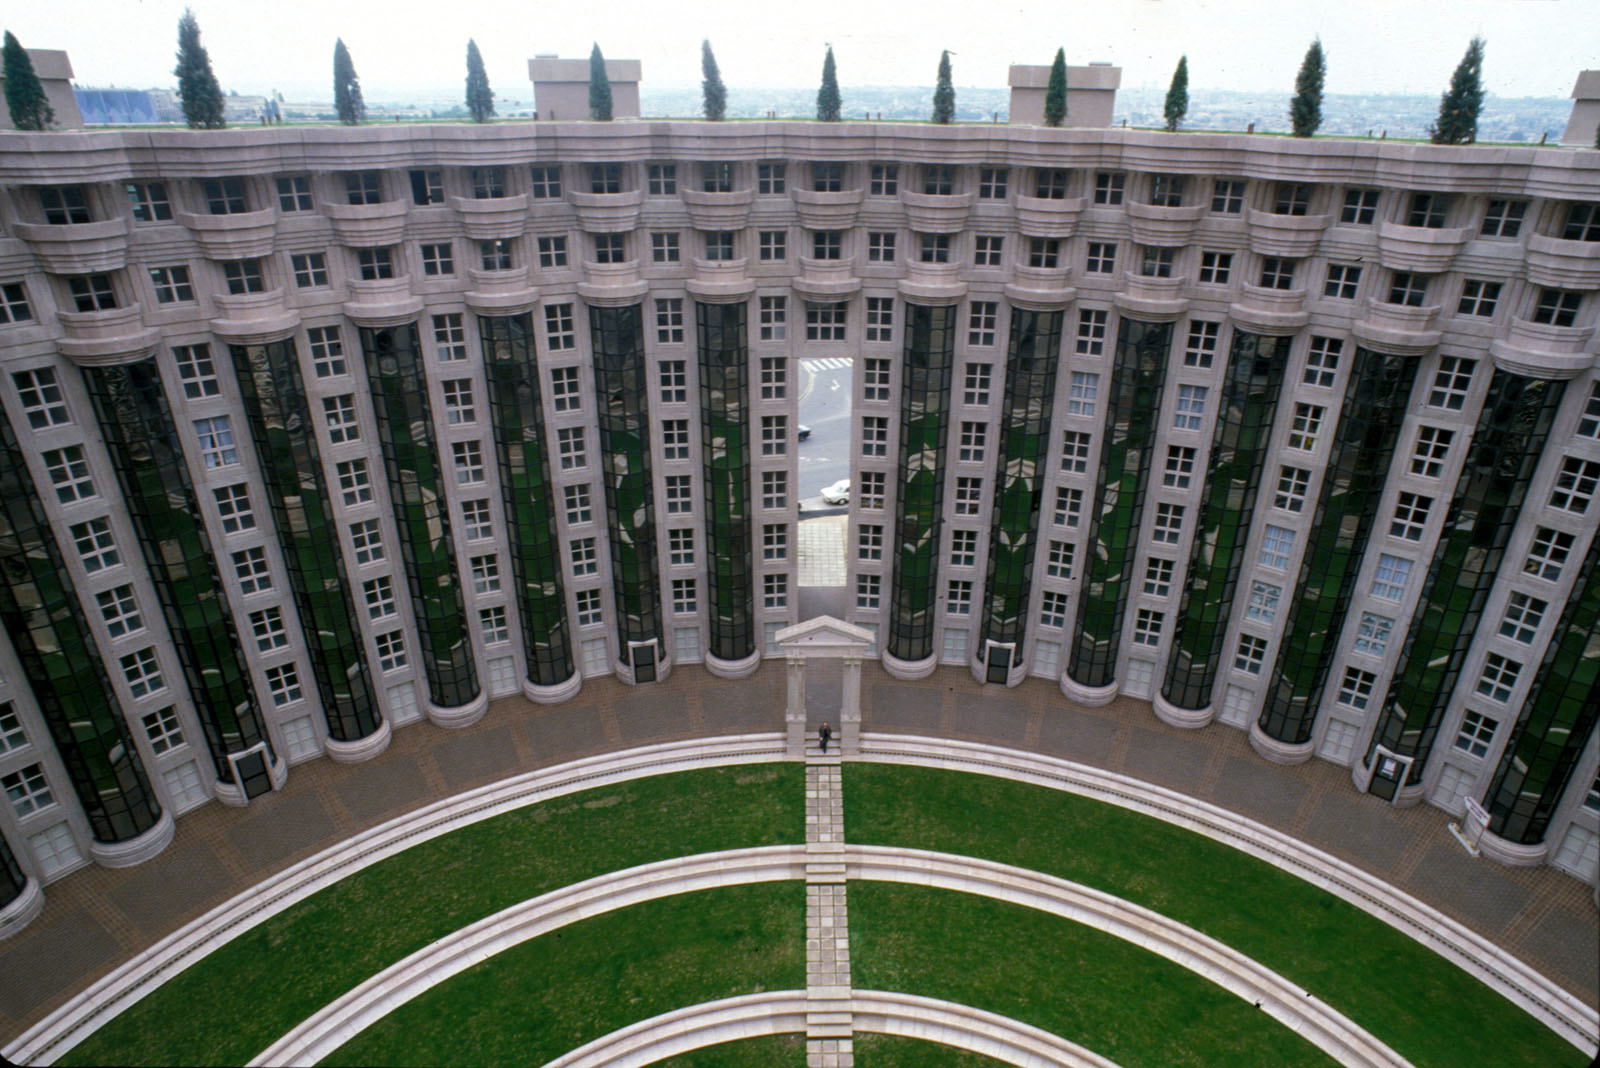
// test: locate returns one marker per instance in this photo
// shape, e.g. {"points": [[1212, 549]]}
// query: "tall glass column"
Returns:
{"points": [[280, 426], [1132, 408], [410, 457], [722, 331], [13, 880], [1374, 408], [1506, 445], [522, 447], [1555, 723], [137, 425], [617, 335], [1031, 360], [924, 415], [46, 625], [1239, 448]]}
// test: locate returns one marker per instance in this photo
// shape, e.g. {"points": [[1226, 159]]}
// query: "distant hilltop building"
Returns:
{"points": [[55, 73], [1585, 120], [1091, 94], [561, 87]]}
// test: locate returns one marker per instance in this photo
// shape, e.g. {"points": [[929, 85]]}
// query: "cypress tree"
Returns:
{"points": [[480, 100], [828, 95], [25, 99], [198, 90], [347, 87], [599, 87], [944, 93], [1055, 96], [1462, 103], [1178, 95], [712, 90], [1305, 110]]}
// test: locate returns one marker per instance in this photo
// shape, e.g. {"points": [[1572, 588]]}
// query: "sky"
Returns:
{"points": [[1534, 47]]}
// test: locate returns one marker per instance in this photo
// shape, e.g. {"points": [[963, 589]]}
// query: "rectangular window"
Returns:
{"points": [[142, 673], [558, 329], [1589, 423], [610, 248], [683, 595], [719, 245], [880, 318], [1250, 654], [28, 791], [1158, 577], [1409, 289], [1583, 223], [1059, 559], [311, 268], [938, 180], [1091, 332], [93, 292], [1389, 581], [1476, 734], [1147, 626], [1428, 210], [458, 403], [981, 322], [1102, 257], [1548, 554], [1373, 633], [669, 321], [41, 398], [268, 629], [1043, 252], [468, 460], [150, 201], [589, 611], [773, 245], [663, 179], [974, 437], [495, 254], [825, 322], [172, 284], [1478, 297], [492, 625], [935, 248], [225, 196], [327, 351], [1306, 426], [1108, 187], [827, 177], [1215, 268], [958, 598], [1050, 183], [366, 540], [1277, 273], [1503, 218], [546, 182], [1355, 690], [427, 187], [1290, 198], [69, 474], [196, 371], [363, 187], [774, 435], [1201, 348], [476, 524], [570, 448], [880, 246], [585, 555], [233, 507], [1344, 279], [1575, 485], [1155, 261], [992, 182], [775, 541], [874, 435], [1227, 196], [1322, 361], [379, 596], [1293, 483], [553, 251], [1277, 547], [987, 249], [1360, 206], [1069, 507], [963, 548], [1410, 516], [770, 178], [774, 489], [1052, 609], [774, 377], [869, 542], [565, 395], [391, 647], [1084, 390], [250, 567], [14, 304], [774, 318], [969, 496], [339, 413], [680, 547], [1190, 413], [883, 179], [1168, 526], [376, 264], [485, 573], [827, 244], [120, 611], [873, 485], [674, 439], [1263, 604], [1522, 618], [1433, 445], [96, 546], [1557, 307], [1179, 468], [774, 591], [162, 727], [868, 590], [1166, 190], [488, 183], [1499, 677], [579, 508], [673, 376], [679, 497], [975, 390], [1075, 451]]}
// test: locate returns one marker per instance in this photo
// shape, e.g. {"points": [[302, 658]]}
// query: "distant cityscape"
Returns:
{"points": [[1525, 120]]}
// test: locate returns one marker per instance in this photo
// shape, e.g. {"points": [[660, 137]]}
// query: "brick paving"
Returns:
{"points": [[96, 918]]}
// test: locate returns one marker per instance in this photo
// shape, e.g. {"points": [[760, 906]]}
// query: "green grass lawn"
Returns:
{"points": [[898, 1051], [550, 995], [1430, 1011], [767, 1051], [1089, 987], [232, 1004]]}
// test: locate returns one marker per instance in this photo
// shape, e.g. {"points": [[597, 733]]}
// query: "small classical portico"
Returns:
{"points": [[824, 638]]}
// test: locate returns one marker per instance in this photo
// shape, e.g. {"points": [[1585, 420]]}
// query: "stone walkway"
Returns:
{"points": [[96, 918], [820, 553], [828, 1018]]}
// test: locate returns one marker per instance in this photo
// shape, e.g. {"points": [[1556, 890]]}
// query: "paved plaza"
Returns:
{"points": [[96, 918]]}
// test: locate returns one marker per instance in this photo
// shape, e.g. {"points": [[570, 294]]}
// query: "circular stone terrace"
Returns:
{"points": [[997, 872]]}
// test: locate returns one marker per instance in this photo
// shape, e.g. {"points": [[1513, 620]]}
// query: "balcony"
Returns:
{"points": [[607, 213], [100, 338], [1398, 328], [1043, 217], [501, 292], [932, 282], [1152, 299], [247, 235], [720, 280], [83, 248], [612, 284], [826, 211], [1167, 227], [1419, 248], [1563, 264], [826, 279], [382, 302], [718, 211], [1261, 310], [931, 214], [1290, 236], [1040, 288], [1537, 350], [253, 318], [492, 218], [368, 225]]}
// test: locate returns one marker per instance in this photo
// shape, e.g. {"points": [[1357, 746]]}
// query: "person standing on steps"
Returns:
{"points": [[824, 732]]}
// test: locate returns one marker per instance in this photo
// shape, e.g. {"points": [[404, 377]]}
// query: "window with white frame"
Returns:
{"points": [[1523, 616], [874, 435], [327, 351], [869, 541], [775, 377], [825, 322], [880, 246], [673, 378], [366, 540], [1200, 350], [1178, 471], [974, 440], [355, 483], [1277, 273], [172, 284], [1155, 261], [41, 398], [1075, 451], [1102, 258], [1373, 633], [1044, 252], [283, 685], [1322, 361], [1575, 485], [1227, 196], [774, 435], [1306, 426], [774, 489], [1408, 288], [250, 567], [268, 629], [233, 508], [669, 321], [872, 491], [775, 591], [680, 546], [120, 611], [578, 505], [163, 730], [1277, 547], [545, 181], [485, 571], [492, 625], [674, 439], [774, 318], [585, 555], [1503, 218], [969, 496], [310, 269], [1190, 412], [589, 610], [1168, 526], [379, 596], [1355, 689], [96, 545], [987, 250], [771, 178], [437, 259], [609, 248], [1069, 507], [1263, 604], [339, 413], [142, 673], [1478, 297], [1451, 383], [1158, 576], [1499, 677], [935, 248], [1091, 340], [1109, 187], [772, 245], [1410, 516], [1059, 559], [1476, 734], [1084, 390], [1250, 654], [458, 404], [467, 457], [1548, 554], [69, 474], [1389, 581], [150, 201], [1589, 424], [992, 182], [1344, 280], [1147, 624], [958, 597], [553, 251], [570, 448], [963, 548], [683, 595], [981, 323], [1428, 456], [1557, 307], [558, 329], [975, 385], [868, 590], [1215, 268], [27, 790], [775, 541], [679, 498], [1052, 609], [875, 379]]}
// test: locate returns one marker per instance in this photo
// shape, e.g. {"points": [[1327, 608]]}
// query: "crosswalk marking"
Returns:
{"points": [[830, 363]]}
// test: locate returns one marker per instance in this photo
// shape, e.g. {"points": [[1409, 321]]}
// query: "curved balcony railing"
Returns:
{"points": [[1165, 227], [79, 249], [607, 213], [492, 218], [1291, 236], [1043, 217], [98, 338], [368, 225], [826, 211], [246, 235], [718, 211], [1419, 248]]}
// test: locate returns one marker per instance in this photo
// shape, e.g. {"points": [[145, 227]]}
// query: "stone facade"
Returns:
{"points": [[1300, 438]]}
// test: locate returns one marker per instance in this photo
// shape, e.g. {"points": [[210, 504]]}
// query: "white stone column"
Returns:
{"points": [[850, 708], [794, 714]]}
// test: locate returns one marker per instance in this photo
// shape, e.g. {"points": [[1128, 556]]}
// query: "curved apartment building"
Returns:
{"points": [[310, 434]]}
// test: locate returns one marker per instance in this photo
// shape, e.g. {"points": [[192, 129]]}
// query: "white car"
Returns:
{"points": [[838, 493]]}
